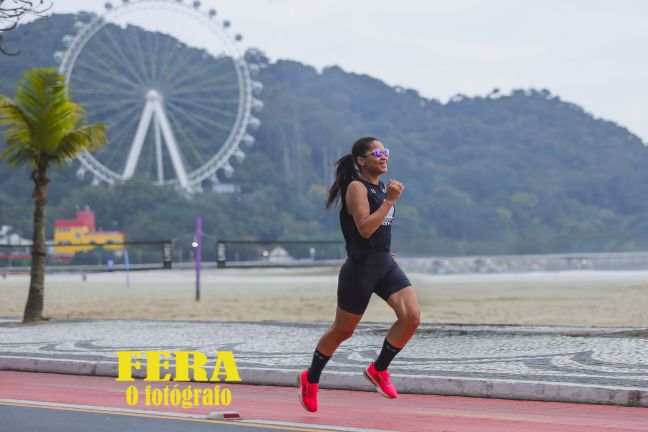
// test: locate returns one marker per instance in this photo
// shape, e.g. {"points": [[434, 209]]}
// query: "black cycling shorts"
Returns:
{"points": [[359, 278]]}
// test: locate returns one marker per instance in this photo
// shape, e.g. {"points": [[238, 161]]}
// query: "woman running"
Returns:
{"points": [[365, 218]]}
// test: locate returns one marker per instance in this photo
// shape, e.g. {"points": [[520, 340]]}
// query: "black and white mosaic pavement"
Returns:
{"points": [[592, 357], [577, 355]]}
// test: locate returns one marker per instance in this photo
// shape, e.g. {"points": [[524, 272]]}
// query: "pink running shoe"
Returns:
{"points": [[381, 380], [308, 392]]}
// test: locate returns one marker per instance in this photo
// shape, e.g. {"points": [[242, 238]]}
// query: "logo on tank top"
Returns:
{"points": [[372, 190], [389, 217]]}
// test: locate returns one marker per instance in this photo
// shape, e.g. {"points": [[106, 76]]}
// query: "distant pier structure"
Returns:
{"points": [[527, 263]]}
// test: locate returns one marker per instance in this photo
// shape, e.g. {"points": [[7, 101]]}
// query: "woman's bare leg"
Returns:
{"points": [[342, 328], [408, 316]]}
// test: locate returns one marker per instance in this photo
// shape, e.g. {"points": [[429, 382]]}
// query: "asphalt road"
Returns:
{"points": [[19, 417]]}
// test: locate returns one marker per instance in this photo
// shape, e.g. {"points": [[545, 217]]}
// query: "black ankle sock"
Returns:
{"points": [[387, 354], [315, 370]]}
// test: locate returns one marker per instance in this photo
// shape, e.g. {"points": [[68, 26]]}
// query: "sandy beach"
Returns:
{"points": [[568, 298]]}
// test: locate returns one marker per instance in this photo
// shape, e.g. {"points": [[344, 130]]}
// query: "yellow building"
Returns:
{"points": [[81, 231]]}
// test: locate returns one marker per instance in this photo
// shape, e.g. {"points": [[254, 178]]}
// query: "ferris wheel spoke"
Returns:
{"points": [[109, 114], [215, 101], [207, 110], [223, 126], [172, 63], [191, 119], [211, 96], [105, 98], [198, 117], [92, 100], [195, 70], [120, 139], [200, 90], [203, 87], [90, 74], [148, 158], [192, 112], [117, 50], [165, 59], [121, 118], [188, 139], [153, 58], [108, 72], [110, 158], [205, 98], [202, 76], [128, 112], [180, 63], [120, 109], [203, 91], [202, 107], [205, 120], [119, 142], [91, 95], [227, 102], [140, 58], [125, 59], [111, 84]]}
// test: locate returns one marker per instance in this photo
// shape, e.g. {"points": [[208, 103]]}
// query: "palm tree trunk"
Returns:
{"points": [[34, 307]]}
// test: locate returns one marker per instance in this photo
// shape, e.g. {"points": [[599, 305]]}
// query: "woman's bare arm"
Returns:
{"points": [[357, 204]]}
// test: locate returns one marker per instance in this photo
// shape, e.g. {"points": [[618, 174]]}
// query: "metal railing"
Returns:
{"points": [[91, 257]]}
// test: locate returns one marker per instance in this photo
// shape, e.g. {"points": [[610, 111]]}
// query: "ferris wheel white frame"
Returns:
{"points": [[154, 110]]}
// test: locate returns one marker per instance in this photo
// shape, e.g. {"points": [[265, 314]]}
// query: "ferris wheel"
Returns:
{"points": [[177, 113]]}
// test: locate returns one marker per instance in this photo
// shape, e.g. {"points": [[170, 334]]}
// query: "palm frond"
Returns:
{"points": [[43, 122], [89, 138], [42, 94], [17, 134], [15, 155]]}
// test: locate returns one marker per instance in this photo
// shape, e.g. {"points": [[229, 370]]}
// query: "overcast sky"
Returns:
{"points": [[590, 52]]}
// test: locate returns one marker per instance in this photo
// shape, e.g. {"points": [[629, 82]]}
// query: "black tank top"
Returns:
{"points": [[380, 240]]}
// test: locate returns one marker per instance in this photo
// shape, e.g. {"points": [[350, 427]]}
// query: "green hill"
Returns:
{"points": [[518, 173]]}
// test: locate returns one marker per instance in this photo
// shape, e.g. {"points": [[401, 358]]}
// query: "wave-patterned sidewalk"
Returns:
{"points": [[567, 364]]}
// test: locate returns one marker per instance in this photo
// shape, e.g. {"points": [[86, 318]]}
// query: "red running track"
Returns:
{"points": [[424, 413]]}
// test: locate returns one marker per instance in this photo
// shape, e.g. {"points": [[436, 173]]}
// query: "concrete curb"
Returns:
{"points": [[417, 384]]}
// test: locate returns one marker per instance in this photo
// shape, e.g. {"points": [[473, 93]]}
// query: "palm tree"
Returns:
{"points": [[43, 127]]}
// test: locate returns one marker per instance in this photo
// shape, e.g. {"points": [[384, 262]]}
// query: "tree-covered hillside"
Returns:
{"points": [[517, 173]]}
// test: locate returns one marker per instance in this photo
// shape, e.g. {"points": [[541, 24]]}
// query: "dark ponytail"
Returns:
{"points": [[346, 170]]}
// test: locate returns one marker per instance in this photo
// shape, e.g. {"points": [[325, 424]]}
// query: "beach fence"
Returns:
{"points": [[279, 253], [174, 254], [226, 253], [91, 257]]}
